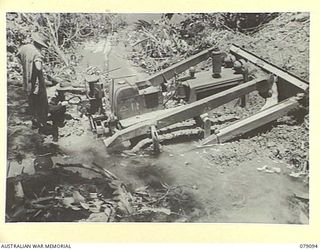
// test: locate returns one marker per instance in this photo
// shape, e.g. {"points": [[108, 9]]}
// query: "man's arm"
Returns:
{"points": [[38, 61], [38, 65]]}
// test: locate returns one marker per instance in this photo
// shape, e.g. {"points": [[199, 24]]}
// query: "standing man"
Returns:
{"points": [[31, 58]]}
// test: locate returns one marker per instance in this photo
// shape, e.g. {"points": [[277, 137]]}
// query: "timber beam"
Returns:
{"points": [[255, 121], [168, 73], [185, 112], [271, 68]]}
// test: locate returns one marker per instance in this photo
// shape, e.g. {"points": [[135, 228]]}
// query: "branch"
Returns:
{"points": [[57, 26], [55, 41], [52, 33]]}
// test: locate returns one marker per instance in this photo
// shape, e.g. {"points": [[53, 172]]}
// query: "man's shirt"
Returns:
{"points": [[28, 55]]}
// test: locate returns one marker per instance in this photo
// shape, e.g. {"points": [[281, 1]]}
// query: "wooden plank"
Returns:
{"points": [[206, 104], [292, 79], [255, 121], [184, 112], [127, 122], [176, 68]]}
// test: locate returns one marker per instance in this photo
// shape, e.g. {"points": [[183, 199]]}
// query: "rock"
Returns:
{"points": [[43, 163], [301, 17], [269, 171], [276, 169], [78, 198], [290, 166], [195, 187], [295, 175], [262, 168], [276, 152], [98, 217], [301, 48]]}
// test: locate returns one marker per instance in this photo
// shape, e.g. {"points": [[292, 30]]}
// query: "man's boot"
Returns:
{"points": [[55, 133], [35, 124]]}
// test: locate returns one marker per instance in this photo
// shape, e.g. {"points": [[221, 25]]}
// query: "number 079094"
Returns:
{"points": [[306, 246]]}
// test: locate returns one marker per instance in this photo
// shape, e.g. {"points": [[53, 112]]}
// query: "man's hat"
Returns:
{"points": [[92, 78], [40, 39], [92, 74]]}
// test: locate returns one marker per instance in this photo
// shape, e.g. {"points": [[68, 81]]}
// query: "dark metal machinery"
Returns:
{"points": [[136, 103], [136, 99], [137, 108]]}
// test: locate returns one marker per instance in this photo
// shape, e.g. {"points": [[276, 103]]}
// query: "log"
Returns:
{"points": [[177, 68], [263, 64]]}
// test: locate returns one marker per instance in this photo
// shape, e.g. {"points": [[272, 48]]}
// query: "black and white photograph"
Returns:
{"points": [[157, 117]]}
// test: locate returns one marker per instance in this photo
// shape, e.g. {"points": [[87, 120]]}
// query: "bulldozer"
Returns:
{"points": [[138, 109]]}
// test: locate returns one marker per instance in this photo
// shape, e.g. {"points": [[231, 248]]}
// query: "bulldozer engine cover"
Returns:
{"points": [[126, 101], [129, 101]]}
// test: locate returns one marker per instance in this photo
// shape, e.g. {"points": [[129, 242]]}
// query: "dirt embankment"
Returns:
{"points": [[284, 41]]}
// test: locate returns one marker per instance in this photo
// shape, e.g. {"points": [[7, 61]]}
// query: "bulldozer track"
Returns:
{"points": [[183, 129]]}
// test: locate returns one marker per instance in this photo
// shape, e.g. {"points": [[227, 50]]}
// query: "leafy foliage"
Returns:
{"points": [[63, 30]]}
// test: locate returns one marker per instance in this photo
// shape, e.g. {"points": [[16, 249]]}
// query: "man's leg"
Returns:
{"points": [[42, 108], [55, 131], [32, 110], [57, 115]]}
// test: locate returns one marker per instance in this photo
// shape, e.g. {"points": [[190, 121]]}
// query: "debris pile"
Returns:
{"points": [[283, 40], [60, 193]]}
